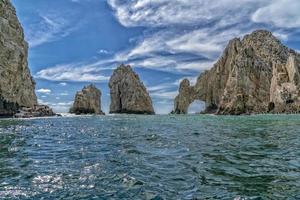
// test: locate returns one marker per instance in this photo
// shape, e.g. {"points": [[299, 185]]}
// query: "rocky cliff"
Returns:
{"points": [[16, 84], [128, 94], [256, 74], [87, 101]]}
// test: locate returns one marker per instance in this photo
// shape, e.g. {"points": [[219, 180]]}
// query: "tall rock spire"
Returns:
{"points": [[128, 94]]}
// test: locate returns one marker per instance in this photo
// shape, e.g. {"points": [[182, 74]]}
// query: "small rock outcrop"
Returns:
{"points": [[87, 101], [256, 74], [16, 84], [35, 111], [128, 93]]}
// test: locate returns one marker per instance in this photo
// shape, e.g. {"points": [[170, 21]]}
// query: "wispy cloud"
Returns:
{"points": [[73, 72], [48, 29], [157, 12], [200, 27], [63, 84]]}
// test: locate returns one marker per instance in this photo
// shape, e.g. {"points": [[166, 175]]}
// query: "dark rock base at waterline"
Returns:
{"points": [[133, 112], [7, 109]]}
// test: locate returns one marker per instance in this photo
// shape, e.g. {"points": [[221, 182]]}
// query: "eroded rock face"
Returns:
{"points": [[254, 75], [128, 94], [16, 84], [285, 86], [87, 101]]}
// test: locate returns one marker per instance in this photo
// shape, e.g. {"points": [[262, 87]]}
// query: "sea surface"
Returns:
{"points": [[151, 157]]}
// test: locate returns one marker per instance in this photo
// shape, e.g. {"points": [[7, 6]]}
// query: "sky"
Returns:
{"points": [[73, 43]]}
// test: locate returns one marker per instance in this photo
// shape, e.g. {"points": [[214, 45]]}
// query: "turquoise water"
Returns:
{"points": [[151, 157]]}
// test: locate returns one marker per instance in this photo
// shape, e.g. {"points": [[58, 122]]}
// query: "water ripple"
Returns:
{"points": [[151, 157]]}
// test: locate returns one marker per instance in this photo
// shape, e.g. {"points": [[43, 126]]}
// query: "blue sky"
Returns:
{"points": [[77, 42]]}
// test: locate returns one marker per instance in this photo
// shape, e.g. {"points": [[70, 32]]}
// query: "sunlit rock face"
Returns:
{"points": [[128, 93], [87, 101], [256, 74], [285, 86], [16, 84]]}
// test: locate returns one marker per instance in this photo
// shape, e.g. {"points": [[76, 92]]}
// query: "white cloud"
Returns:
{"points": [[72, 72], [64, 94], [63, 84], [197, 27], [44, 91], [281, 36], [281, 13], [207, 42], [103, 51], [60, 107]]}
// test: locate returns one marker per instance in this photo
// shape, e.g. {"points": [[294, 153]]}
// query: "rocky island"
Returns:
{"points": [[17, 87], [256, 74], [87, 101], [128, 93]]}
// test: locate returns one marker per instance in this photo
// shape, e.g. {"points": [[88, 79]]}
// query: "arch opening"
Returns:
{"points": [[196, 107]]}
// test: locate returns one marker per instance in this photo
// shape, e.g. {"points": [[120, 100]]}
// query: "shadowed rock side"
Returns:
{"points": [[128, 94], [254, 75], [87, 101], [16, 84]]}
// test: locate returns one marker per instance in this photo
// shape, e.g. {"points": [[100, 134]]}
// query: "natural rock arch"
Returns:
{"points": [[251, 73]]}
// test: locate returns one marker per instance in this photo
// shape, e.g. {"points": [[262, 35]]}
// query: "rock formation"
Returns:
{"points": [[35, 111], [87, 101], [17, 95], [128, 94], [16, 84], [256, 74], [185, 97], [285, 86]]}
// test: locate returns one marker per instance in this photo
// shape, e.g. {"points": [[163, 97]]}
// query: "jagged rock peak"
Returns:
{"points": [[16, 84], [128, 93], [87, 101], [256, 74]]}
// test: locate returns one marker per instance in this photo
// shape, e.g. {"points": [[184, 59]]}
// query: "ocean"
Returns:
{"points": [[151, 157]]}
